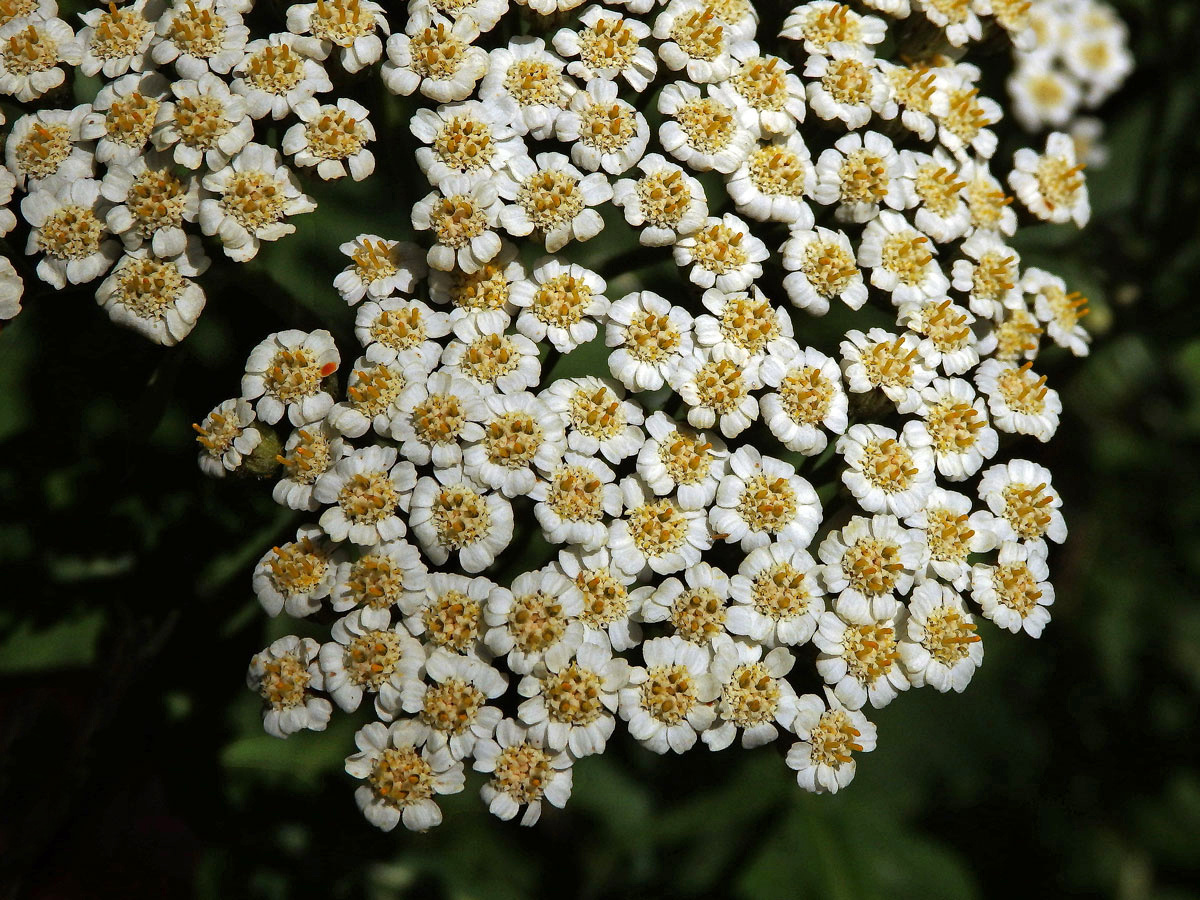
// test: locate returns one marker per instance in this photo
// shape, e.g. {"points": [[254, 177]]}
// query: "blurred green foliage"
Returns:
{"points": [[133, 757]]}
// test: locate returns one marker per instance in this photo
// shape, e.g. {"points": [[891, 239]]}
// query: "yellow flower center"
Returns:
{"points": [[461, 516], [669, 693], [698, 614]]}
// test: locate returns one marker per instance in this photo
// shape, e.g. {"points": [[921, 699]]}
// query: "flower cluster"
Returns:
{"points": [[176, 144], [513, 559]]}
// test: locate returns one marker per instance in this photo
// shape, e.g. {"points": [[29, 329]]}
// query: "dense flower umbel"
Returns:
{"points": [[571, 493]]}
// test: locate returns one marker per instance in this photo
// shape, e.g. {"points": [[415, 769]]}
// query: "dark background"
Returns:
{"points": [[132, 760]]}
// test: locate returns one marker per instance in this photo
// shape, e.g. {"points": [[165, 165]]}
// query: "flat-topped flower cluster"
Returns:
{"points": [[703, 577]]}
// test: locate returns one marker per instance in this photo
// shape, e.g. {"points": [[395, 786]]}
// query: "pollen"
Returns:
{"points": [[375, 260], [834, 739], [605, 600], [888, 466], [375, 582], [940, 189], [907, 255], [699, 34], [464, 144], [686, 459], [749, 323], [489, 357], [834, 24], [436, 53], [292, 375], [698, 615], [197, 31], [751, 696], [994, 276], [44, 149], [1023, 391], [550, 198], [148, 287], [1067, 308], [439, 418], [651, 338], [777, 171], [767, 504], [665, 197], [986, 203], [522, 772], [156, 198], [762, 81], [451, 707], [889, 363], [71, 232], [536, 622], [828, 267], [482, 290], [561, 301], [869, 651], [368, 499], [461, 517], [913, 86], [953, 426], [669, 693], [779, 592], [217, 434], [457, 220], [535, 82], [16, 9], [402, 777], [609, 44], [948, 535], [608, 127], [1026, 509], [1017, 336], [945, 325], [1059, 182], [864, 177], [130, 119], [573, 696], [452, 620], [398, 329], [310, 458], [848, 81], [298, 567], [1017, 588], [342, 21], [118, 33], [597, 413], [948, 635], [576, 494], [708, 124], [658, 527], [720, 385], [275, 69], [371, 658], [284, 682], [29, 51], [718, 249], [512, 439], [201, 121], [806, 394], [966, 116], [872, 566], [334, 134]]}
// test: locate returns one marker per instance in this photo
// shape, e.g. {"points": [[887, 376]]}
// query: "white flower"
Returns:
{"points": [[296, 577], [334, 139], [526, 85], [286, 371], [152, 203], [773, 181], [534, 621], [437, 56], [677, 459], [754, 695], [1019, 401], [665, 203], [597, 417], [743, 327], [901, 259], [777, 597], [35, 50], [868, 562], [823, 757], [1061, 311], [723, 253], [443, 413], [655, 533], [484, 13], [518, 434], [671, 698], [156, 296], [279, 76], [51, 142], [989, 206], [226, 437], [285, 674], [963, 115], [1042, 94], [696, 41], [822, 23], [807, 399], [377, 393], [129, 108], [450, 703], [937, 187], [561, 303], [1015, 592], [650, 337], [309, 452], [946, 336], [205, 125], [468, 138], [891, 363], [703, 130], [770, 98], [401, 331], [11, 290], [461, 215], [522, 773], [609, 46], [991, 276], [66, 220], [885, 471], [762, 500], [446, 611], [958, 21], [351, 25], [250, 201], [551, 197], [848, 86], [939, 646], [379, 579], [368, 490], [496, 363], [912, 89], [820, 265], [952, 533], [379, 268], [858, 173], [455, 516], [199, 36], [1100, 57], [608, 604], [955, 428], [717, 392], [361, 659], [401, 780], [604, 131], [1051, 185], [1022, 497], [573, 500], [860, 655], [571, 702], [479, 300]]}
